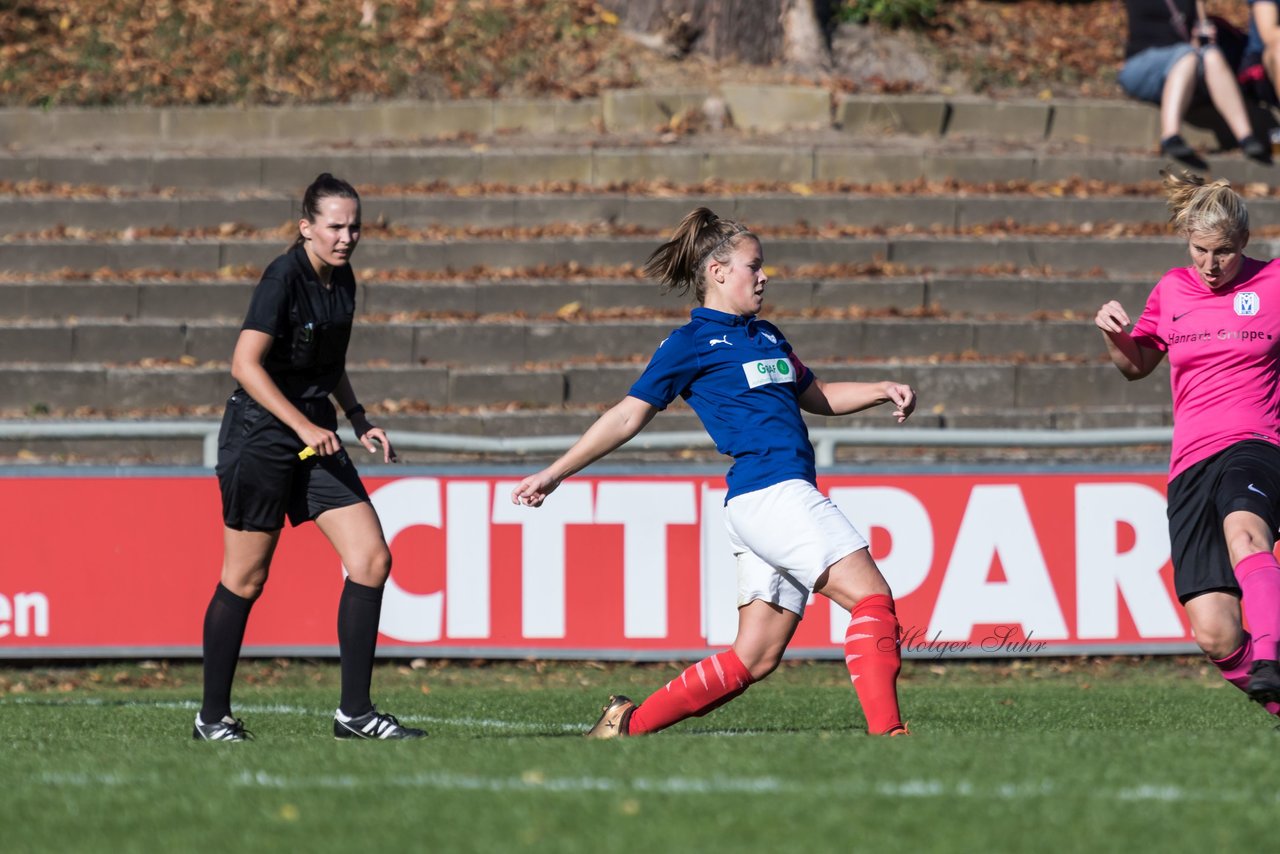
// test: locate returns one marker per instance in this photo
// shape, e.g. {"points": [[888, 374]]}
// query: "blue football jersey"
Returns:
{"points": [[744, 382]]}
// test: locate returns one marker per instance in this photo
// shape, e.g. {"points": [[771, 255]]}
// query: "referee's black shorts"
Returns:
{"points": [[261, 478], [1245, 476]]}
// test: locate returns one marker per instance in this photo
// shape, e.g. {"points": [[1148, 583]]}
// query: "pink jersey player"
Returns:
{"points": [[1224, 350], [1219, 322]]}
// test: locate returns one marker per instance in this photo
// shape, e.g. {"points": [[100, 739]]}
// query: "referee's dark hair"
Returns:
{"points": [[323, 187]]}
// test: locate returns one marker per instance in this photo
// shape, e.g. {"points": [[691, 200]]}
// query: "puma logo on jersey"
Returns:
{"points": [[725, 340]]}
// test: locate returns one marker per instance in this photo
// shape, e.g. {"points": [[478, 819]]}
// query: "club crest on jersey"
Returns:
{"points": [[766, 371], [1247, 303]]}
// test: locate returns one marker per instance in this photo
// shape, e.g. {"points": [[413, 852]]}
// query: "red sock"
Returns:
{"points": [[706, 685], [872, 654], [1259, 577]]}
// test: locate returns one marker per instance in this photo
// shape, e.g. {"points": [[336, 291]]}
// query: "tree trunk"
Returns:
{"points": [[759, 32], [804, 44]]}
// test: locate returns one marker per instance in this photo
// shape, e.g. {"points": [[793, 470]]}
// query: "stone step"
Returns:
{"points": [[923, 252], [228, 300], [27, 213], [753, 108], [684, 163], [27, 388], [506, 343]]}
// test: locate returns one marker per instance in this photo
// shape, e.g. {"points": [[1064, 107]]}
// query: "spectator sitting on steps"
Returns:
{"points": [[1171, 56], [1261, 64]]}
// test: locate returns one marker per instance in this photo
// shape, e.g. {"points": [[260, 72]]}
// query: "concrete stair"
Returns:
{"points": [[967, 264]]}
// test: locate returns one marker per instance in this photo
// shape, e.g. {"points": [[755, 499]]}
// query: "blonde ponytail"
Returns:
{"points": [[1199, 207]]}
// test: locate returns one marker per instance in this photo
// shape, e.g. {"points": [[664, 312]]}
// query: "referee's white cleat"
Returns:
{"points": [[615, 719], [227, 729], [374, 725]]}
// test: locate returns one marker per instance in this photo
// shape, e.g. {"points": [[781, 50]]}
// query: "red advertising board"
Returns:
{"points": [[610, 566]]}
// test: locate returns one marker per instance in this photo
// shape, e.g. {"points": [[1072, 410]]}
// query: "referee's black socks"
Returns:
{"points": [[358, 613], [224, 624]]}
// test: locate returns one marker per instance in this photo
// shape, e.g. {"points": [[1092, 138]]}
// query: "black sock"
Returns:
{"points": [[358, 613], [224, 624]]}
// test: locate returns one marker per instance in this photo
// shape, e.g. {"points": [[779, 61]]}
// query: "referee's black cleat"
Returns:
{"points": [[227, 729], [1264, 681], [615, 719], [374, 726]]}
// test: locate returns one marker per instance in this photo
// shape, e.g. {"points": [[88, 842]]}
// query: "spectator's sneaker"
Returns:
{"points": [[1255, 149], [1176, 147], [1264, 681], [374, 725], [615, 719], [227, 729]]}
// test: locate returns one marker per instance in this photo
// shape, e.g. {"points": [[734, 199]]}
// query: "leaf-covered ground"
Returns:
{"points": [[93, 52], [168, 52]]}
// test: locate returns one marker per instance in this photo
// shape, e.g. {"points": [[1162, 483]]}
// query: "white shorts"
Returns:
{"points": [[784, 537]]}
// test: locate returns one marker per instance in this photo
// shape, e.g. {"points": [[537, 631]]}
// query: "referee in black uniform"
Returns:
{"points": [[279, 455]]}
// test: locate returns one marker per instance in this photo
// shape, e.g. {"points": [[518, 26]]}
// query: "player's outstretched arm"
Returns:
{"points": [[612, 429], [1134, 361], [822, 398]]}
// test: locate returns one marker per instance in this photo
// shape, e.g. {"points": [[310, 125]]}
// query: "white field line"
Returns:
{"points": [[714, 785], [280, 709]]}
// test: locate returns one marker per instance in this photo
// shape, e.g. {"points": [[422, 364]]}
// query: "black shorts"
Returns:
{"points": [[261, 478], [1245, 476]]}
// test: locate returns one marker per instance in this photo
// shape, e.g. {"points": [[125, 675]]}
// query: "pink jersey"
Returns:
{"points": [[1224, 357]]}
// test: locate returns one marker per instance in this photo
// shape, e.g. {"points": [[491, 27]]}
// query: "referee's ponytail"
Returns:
{"points": [[679, 264], [325, 186], [1199, 207]]}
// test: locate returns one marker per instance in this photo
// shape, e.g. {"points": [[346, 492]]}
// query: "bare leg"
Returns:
{"points": [[1179, 86], [1246, 534], [851, 579], [764, 630], [1215, 623], [1271, 62], [356, 535], [246, 560], [1224, 91]]}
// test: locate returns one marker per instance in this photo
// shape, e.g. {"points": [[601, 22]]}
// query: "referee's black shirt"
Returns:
{"points": [[311, 325]]}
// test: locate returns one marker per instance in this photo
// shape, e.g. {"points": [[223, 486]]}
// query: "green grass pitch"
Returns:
{"points": [[1045, 755]]}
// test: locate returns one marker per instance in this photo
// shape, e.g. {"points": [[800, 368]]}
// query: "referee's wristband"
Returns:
{"points": [[358, 409]]}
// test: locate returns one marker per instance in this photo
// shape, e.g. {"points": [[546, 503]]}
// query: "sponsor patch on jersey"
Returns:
{"points": [[767, 371], [1247, 303]]}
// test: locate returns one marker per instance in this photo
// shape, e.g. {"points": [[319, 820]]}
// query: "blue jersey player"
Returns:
{"points": [[741, 376]]}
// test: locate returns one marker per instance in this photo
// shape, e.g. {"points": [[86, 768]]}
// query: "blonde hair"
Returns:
{"points": [[1199, 207], [679, 264]]}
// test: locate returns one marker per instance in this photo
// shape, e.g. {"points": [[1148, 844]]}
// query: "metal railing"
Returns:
{"points": [[825, 439]]}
